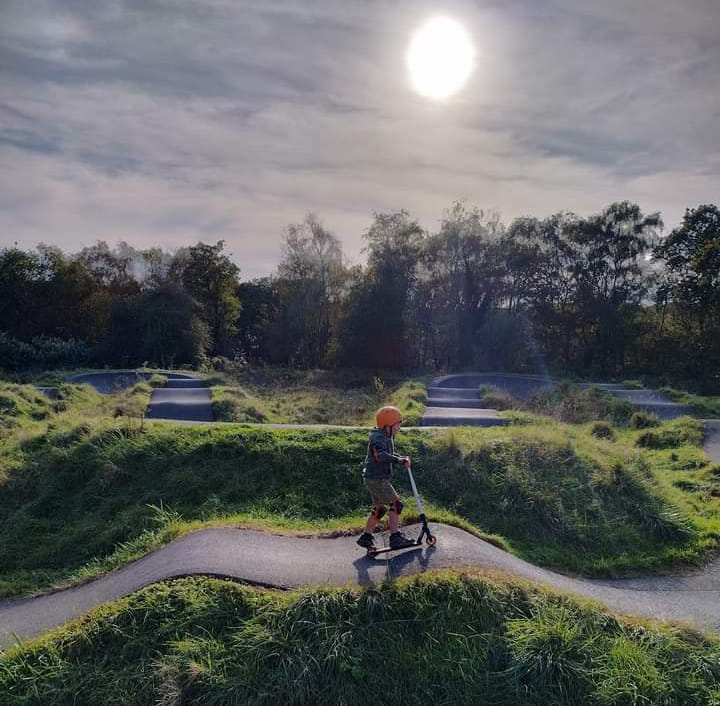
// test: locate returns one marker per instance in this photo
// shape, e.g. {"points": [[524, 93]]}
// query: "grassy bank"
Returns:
{"points": [[703, 406], [444, 639], [281, 396], [78, 497]]}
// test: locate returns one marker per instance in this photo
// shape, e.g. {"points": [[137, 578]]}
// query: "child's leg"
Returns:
{"points": [[374, 518], [394, 519]]}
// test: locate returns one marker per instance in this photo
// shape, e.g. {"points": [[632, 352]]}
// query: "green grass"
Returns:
{"points": [[633, 384], [281, 396], [703, 406], [574, 405], [59, 375], [78, 497], [440, 638]]}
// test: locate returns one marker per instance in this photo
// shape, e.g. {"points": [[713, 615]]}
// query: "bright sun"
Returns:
{"points": [[440, 58]]}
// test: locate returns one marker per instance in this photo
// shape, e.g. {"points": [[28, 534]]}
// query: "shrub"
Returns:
{"points": [[224, 410], [643, 420], [676, 433], [569, 403], [602, 430], [157, 380], [495, 398], [41, 351]]}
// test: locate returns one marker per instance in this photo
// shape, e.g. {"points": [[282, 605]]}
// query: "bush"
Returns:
{"points": [[644, 420], [602, 430], [41, 351], [676, 433], [157, 380], [569, 403], [632, 384], [495, 398]]}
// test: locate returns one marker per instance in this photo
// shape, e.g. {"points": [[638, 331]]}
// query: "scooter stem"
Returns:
{"points": [[420, 507]]}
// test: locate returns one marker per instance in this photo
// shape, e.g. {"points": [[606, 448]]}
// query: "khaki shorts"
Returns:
{"points": [[381, 491]]}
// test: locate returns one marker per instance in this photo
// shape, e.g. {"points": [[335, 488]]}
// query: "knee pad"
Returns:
{"points": [[397, 506], [379, 511]]}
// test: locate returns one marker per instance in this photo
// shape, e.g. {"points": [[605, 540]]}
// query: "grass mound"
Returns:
{"points": [[281, 396], [18, 402], [444, 639], [602, 430], [574, 405], [81, 493], [21, 405], [495, 398], [675, 433], [702, 405]]}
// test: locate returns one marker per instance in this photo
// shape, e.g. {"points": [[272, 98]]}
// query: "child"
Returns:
{"points": [[377, 474]]}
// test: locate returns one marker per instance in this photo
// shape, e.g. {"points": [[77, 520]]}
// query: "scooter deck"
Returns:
{"points": [[374, 552]]}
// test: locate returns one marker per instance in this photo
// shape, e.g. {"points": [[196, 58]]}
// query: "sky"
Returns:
{"points": [[168, 122]]}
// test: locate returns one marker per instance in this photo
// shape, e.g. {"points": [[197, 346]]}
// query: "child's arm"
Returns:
{"points": [[381, 455]]}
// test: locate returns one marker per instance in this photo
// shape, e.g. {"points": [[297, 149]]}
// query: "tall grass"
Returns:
{"points": [[442, 638], [244, 394]]}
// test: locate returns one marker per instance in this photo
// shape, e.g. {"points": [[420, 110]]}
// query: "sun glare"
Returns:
{"points": [[440, 58]]}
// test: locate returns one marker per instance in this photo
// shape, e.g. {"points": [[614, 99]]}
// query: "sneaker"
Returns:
{"points": [[366, 540], [399, 541]]}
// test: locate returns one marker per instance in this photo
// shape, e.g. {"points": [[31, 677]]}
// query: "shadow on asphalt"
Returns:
{"points": [[410, 560]]}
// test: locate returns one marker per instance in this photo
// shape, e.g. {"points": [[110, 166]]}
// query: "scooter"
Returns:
{"points": [[430, 539]]}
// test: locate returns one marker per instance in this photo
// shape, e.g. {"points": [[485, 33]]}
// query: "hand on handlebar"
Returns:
{"points": [[405, 461]]}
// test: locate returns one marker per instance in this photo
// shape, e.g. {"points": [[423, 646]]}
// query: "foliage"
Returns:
{"points": [[573, 296], [643, 420], [602, 430], [40, 352], [673, 434], [689, 293], [211, 279], [495, 398]]}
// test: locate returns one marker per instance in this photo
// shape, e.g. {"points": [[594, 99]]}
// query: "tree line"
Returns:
{"points": [[603, 296]]}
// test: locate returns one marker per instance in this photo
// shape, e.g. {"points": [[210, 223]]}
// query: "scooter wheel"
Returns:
{"points": [[431, 541]]}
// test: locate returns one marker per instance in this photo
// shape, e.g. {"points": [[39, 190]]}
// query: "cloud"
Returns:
{"points": [[163, 123]]}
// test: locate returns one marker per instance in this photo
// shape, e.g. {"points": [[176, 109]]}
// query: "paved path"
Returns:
{"points": [[711, 445], [184, 397], [648, 400], [283, 561], [454, 399]]}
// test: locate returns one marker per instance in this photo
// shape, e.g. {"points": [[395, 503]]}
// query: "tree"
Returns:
{"points": [[311, 281], [379, 328], [74, 302], [171, 330], [691, 288], [466, 270], [211, 278], [19, 274], [612, 280], [691, 254], [256, 322]]}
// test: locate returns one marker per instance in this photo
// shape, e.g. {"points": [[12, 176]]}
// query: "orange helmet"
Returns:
{"points": [[388, 416]]}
